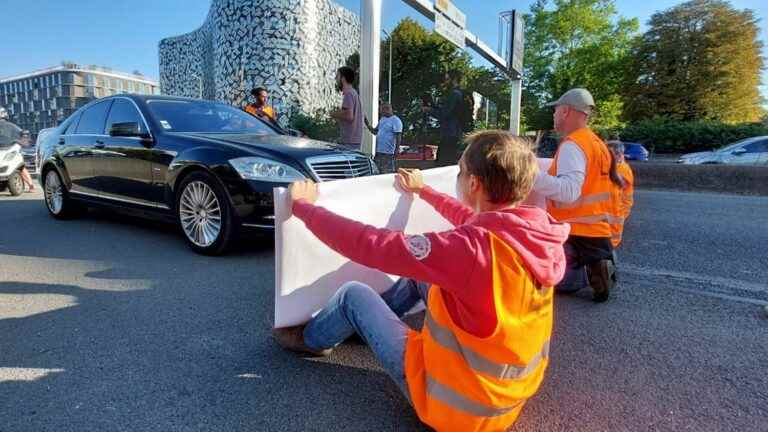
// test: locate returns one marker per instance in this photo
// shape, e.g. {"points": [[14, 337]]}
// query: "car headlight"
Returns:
{"points": [[255, 168], [9, 157]]}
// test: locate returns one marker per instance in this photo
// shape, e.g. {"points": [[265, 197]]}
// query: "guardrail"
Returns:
{"points": [[735, 179]]}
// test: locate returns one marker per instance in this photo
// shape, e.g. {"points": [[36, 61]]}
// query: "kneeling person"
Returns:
{"points": [[487, 285]]}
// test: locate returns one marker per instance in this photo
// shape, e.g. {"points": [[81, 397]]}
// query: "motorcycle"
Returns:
{"points": [[11, 164]]}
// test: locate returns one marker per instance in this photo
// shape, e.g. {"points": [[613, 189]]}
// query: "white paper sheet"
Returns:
{"points": [[308, 273]]}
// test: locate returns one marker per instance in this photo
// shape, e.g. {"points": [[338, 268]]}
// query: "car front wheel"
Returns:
{"points": [[57, 200], [15, 184], [205, 214]]}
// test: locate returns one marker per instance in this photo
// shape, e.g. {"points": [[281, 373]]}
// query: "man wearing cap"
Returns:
{"points": [[578, 189]]}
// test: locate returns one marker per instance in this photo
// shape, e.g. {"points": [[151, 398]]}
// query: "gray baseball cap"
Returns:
{"points": [[577, 98]]}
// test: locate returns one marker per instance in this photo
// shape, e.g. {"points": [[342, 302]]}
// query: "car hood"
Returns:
{"points": [[706, 154], [294, 146]]}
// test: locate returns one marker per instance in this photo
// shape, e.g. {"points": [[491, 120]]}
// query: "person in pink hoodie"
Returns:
{"points": [[497, 172]]}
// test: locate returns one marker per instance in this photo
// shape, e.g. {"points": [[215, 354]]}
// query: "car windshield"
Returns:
{"points": [[205, 117], [734, 145], [9, 134]]}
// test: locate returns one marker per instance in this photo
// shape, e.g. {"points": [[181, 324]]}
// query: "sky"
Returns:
{"points": [[123, 35]]}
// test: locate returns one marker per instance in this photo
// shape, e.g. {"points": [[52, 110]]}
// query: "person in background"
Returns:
{"points": [[350, 115], [389, 134], [448, 114], [623, 197], [578, 188], [25, 141], [260, 108], [487, 286]]}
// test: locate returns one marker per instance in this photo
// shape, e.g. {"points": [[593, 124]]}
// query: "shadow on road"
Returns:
{"points": [[144, 360], [34, 233]]}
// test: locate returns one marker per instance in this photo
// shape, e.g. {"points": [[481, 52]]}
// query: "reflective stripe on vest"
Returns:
{"points": [[478, 362], [458, 402], [589, 199], [616, 220]]}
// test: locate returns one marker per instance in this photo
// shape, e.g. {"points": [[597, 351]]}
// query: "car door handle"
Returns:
{"points": [[61, 141], [99, 144]]}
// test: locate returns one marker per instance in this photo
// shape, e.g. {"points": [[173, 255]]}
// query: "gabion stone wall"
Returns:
{"points": [[290, 47]]}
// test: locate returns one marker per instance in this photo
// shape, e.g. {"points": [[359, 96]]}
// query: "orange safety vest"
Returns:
{"points": [[266, 110], [622, 202], [460, 382], [588, 216]]}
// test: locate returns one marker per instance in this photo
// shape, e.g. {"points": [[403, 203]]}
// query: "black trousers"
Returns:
{"points": [[448, 151]]}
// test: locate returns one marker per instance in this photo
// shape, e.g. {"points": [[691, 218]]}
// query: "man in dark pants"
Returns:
{"points": [[450, 121]]}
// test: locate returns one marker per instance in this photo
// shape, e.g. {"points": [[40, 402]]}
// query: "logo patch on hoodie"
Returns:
{"points": [[419, 246]]}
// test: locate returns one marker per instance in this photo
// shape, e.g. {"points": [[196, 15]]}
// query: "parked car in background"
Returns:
{"points": [[426, 152], [635, 152], [208, 167], [42, 143], [750, 151]]}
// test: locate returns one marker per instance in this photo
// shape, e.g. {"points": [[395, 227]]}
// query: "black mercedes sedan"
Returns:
{"points": [[206, 166]]}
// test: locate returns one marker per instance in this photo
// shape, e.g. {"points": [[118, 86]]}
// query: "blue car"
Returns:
{"points": [[635, 152]]}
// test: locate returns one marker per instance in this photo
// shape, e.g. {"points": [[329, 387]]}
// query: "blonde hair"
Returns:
{"points": [[505, 164]]}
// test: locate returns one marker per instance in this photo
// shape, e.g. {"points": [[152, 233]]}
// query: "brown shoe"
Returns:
{"points": [[602, 277], [292, 339]]}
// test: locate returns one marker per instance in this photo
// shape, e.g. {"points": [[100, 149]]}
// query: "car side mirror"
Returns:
{"points": [[130, 130], [739, 151]]}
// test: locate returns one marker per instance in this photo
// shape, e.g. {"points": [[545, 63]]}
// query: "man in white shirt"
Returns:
{"points": [[389, 134], [578, 188]]}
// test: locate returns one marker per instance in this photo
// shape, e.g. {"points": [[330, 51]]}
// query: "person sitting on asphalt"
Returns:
{"points": [[25, 141], [487, 285], [578, 191], [389, 134], [623, 197], [260, 108]]}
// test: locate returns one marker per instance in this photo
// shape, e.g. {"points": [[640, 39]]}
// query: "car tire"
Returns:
{"points": [[205, 214], [56, 196], [15, 184]]}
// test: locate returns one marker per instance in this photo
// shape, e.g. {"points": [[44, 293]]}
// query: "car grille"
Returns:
{"points": [[338, 167]]}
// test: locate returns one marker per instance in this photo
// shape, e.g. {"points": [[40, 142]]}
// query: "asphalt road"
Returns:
{"points": [[111, 324]]}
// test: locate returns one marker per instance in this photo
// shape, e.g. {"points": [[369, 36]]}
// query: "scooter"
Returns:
{"points": [[11, 164]]}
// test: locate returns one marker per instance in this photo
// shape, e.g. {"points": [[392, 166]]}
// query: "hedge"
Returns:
{"points": [[668, 136]]}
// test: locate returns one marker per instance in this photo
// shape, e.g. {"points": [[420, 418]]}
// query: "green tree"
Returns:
{"points": [[575, 43], [698, 61], [420, 60]]}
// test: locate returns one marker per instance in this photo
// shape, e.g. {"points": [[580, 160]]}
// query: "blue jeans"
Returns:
{"points": [[356, 307], [575, 277]]}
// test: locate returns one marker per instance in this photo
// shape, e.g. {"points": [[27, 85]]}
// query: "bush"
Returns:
{"points": [[319, 126], [668, 136]]}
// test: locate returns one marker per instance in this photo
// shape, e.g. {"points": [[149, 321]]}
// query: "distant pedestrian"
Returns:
{"points": [[389, 134], [260, 108], [350, 115], [25, 141], [454, 115]]}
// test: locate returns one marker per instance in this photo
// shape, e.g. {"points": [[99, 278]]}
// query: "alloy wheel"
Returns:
{"points": [[200, 214], [54, 195]]}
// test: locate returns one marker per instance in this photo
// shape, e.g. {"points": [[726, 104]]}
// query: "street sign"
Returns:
{"points": [[452, 12], [447, 29], [450, 22], [515, 60]]}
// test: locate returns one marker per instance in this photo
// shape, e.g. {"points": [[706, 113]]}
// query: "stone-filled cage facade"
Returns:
{"points": [[290, 47]]}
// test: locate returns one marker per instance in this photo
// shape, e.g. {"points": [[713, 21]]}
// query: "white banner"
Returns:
{"points": [[308, 273]]}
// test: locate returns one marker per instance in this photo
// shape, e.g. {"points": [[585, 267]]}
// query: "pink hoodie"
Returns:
{"points": [[459, 261]]}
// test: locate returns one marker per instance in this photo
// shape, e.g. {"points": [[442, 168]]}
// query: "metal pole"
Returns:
{"points": [[389, 91], [370, 55], [514, 111]]}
